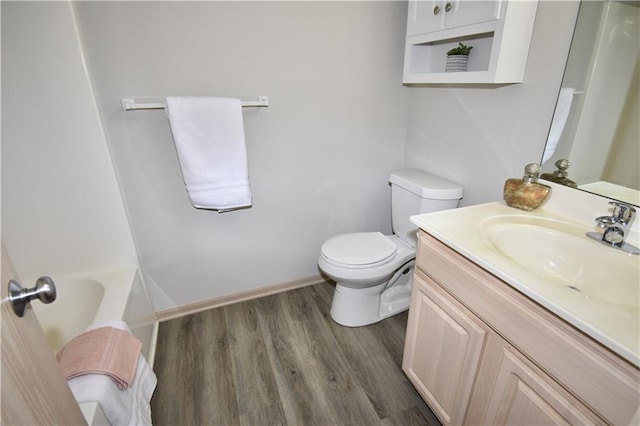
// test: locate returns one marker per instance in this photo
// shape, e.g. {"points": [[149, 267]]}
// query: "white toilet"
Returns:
{"points": [[373, 272]]}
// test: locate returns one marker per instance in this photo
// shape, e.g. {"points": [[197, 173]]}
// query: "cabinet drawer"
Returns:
{"points": [[598, 377]]}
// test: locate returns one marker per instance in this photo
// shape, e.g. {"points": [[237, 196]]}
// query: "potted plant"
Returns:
{"points": [[458, 58]]}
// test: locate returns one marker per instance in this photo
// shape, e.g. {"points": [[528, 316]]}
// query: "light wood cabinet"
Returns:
{"points": [[480, 352], [500, 32], [524, 394], [443, 330]]}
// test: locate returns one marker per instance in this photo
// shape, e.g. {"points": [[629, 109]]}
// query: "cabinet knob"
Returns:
{"points": [[436, 10], [448, 7]]}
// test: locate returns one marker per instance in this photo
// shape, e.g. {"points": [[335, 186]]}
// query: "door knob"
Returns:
{"points": [[45, 290]]}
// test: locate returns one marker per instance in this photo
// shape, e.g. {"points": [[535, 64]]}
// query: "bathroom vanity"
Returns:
{"points": [[490, 342]]}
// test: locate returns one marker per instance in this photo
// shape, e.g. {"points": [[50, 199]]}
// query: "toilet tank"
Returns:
{"points": [[415, 192]]}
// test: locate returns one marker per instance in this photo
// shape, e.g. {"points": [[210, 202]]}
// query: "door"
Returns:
{"points": [[524, 394], [34, 392], [425, 16], [472, 12], [443, 348]]}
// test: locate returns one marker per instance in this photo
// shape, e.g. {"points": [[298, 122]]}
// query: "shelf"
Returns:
{"points": [[431, 57]]}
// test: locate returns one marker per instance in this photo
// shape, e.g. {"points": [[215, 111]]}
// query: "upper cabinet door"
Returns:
{"points": [[471, 12], [427, 16]]}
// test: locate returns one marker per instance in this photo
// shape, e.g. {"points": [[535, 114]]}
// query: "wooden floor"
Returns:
{"points": [[282, 360]]}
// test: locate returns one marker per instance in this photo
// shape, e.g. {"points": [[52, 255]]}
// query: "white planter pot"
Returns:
{"points": [[457, 63]]}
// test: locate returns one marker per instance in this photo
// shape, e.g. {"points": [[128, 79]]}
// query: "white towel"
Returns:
{"points": [[120, 407], [209, 138], [560, 115]]}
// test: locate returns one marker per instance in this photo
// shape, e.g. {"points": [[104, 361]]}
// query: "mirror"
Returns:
{"points": [[595, 124]]}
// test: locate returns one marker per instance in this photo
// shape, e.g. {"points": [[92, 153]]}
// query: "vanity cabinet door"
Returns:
{"points": [[524, 394], [443, 348]]}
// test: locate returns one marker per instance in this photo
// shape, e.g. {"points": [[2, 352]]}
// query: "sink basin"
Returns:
{"points": [[562, 256]]}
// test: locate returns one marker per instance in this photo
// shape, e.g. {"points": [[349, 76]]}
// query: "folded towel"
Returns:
{"points": [[105, 350], [121, 407], [560, 115], [209, 138]]}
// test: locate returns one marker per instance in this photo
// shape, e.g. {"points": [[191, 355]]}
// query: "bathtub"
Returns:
{"points": [[86, 299]]}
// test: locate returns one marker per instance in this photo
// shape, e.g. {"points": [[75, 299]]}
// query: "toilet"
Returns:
{"points": [[374, 272]]}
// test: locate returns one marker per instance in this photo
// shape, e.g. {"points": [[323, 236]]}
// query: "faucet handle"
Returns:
{"points": [[616, 227], [623, 212]]}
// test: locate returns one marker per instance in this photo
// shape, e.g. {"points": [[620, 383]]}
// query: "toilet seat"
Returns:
{"points": [[366, 275], [359, 250]]}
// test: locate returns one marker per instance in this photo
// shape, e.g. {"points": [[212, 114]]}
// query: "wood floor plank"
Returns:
{"points": [[265, 416], [413, 416], [195, 373], [316, 386], [285, 342], [169, 403], [394, 332], [255, 385], [365, 349], [282, 360]]}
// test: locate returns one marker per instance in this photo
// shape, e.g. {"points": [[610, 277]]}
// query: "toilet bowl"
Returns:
{"points": [[363, 259], [368, 288], [373, 272]]}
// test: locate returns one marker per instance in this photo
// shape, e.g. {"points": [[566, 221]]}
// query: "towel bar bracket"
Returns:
{"points": [[131, 104]]}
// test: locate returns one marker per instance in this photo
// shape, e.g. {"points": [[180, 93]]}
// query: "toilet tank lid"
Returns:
{"points": [[426, 185]]}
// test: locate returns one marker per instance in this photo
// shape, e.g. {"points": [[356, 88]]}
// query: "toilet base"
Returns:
{"points": [[357, 307]]}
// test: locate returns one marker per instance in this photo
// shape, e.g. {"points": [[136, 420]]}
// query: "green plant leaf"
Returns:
{"points": [[462, 49]]}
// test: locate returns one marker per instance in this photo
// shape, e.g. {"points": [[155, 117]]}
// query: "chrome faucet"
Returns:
{"points": [[616, 227]]}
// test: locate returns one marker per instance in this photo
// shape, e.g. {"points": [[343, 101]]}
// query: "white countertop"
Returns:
{"points": [[615, 326]]}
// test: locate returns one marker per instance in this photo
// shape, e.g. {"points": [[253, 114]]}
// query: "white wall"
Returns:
{"points": [[480, 136], [319, 156], [61, 207]]}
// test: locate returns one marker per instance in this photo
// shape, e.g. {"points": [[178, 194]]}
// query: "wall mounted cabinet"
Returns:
{"points": [[499, 30], [480, 352]]}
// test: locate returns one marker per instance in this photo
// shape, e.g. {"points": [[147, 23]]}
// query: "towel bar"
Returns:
{"points": [[130, 104]]}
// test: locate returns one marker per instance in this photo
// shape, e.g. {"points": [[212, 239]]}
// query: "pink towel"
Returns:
{"points": [[104, 350]]}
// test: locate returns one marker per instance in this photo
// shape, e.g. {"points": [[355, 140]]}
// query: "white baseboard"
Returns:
{"points": [[217, 302]]}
